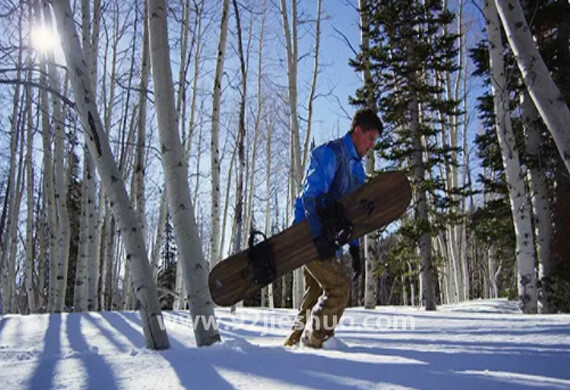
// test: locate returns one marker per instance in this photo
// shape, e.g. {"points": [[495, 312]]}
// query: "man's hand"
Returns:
{"points": [[325, 248], [356, 261]]}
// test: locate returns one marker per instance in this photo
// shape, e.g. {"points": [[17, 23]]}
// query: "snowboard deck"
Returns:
{"points": [[374, 205]]}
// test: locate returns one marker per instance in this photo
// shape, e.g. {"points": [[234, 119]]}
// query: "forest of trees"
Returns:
{"points": [[141, 146]]}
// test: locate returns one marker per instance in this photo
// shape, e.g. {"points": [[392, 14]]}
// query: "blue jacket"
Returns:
{"points": [[336, 169]]}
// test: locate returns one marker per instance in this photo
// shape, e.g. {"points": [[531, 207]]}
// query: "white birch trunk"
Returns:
{"points": [[541, 87], [95, 269], [9, 296], [89, 193], [421, 212], [466, 173], [252, 187], [117, 254], [195, 77], [181, 94], [104, 258], [447, 268], [110, 96], [290, 35], [29, 264], [449, 247], [95, 24], [179, 297], [448, 289], [496, 279], [80, 288], [540, 201], [298, 287], [139, 166], [108, 266], [313, 86], [455, 267], [95, 214], [371, 254], [162, 213], [369, 241], [238, 228], [87, 186], [458, 255], [520, 205], [49, 182], [194, 266], [214, 143], [43, 257], [238, 214], [371, 280], [60, 188], [10, 222], [491, 273], [268, 196], [128, 301], [10, 233], [227, 200], [198, 160], [151, 316]]}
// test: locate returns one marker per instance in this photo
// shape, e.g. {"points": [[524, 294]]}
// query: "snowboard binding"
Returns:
{"points": [[336, 226], [261, 259]]}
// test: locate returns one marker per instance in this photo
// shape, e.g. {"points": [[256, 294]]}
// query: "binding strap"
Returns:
{"points": [[261, 259], [336, 226]]}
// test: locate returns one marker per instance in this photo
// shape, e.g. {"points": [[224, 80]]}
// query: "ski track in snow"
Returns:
{"points": [[484, 344]]}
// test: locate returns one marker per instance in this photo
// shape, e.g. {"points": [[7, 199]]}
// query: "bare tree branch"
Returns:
{"points": [[33, 84], [354, 51]]}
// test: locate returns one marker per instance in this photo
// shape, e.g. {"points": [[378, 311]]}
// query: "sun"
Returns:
{"points": [[43, 39]]}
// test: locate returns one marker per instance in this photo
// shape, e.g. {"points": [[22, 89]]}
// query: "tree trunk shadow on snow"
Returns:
{"points": [[118, 322], [465, 368], [110, 335], [357, 366], [192, 372], [2, 323], [99, 373], [44, 373]]}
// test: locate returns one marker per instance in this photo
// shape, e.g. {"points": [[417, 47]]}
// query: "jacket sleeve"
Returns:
{"points": [[320, 174]]}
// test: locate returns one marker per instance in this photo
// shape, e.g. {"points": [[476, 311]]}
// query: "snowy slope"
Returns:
{"points": [[477, 345]]}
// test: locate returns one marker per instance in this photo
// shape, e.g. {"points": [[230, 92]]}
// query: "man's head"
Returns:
{"points": [[365, 129]]}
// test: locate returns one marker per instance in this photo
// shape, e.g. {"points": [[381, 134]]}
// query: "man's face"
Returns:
{"points": [[364, 141]]}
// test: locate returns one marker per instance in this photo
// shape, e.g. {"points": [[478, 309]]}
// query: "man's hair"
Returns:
{"points": [[367, 119]]}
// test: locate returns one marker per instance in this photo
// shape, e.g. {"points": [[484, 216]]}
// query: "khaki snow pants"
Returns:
{"points": [[327, 289]]}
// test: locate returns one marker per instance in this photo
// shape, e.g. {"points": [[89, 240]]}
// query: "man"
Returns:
{"points": [[335, 170]]}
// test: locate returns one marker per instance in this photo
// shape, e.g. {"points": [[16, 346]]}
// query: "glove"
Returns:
{"points": [[356, 261], [325, 248]]}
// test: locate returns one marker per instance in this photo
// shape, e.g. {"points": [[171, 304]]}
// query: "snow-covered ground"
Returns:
{"points": [[476, 345]]}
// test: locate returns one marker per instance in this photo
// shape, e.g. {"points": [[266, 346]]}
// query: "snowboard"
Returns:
{"points": [[378, 202]]}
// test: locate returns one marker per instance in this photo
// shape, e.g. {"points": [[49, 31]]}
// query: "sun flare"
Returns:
{"points": [[43, 39]]}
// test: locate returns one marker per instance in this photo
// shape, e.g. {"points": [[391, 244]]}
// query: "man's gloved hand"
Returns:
{"points": [[325, 248], [356, 261]]}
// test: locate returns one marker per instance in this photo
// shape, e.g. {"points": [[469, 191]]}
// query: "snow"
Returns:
{"points": [[483, 344]]}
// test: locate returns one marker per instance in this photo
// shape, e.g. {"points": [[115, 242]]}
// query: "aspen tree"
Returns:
{"points": [[215, 134], [194, 266], [151, 316], [544, 92], [520, 206]]}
